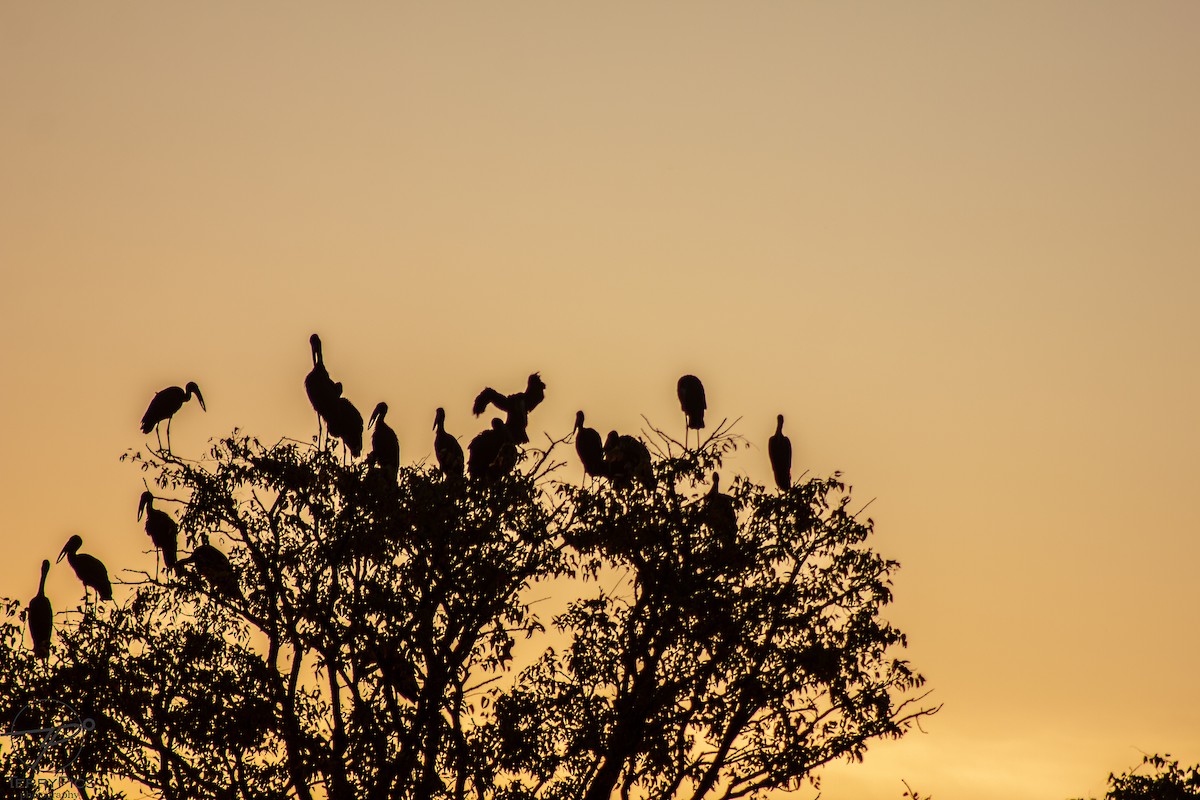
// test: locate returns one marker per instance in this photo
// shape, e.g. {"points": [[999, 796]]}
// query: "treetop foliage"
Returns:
{"points": [[341, 631]]}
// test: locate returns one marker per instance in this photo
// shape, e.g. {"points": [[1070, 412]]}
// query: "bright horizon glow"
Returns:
{"points": [[953, 245]]}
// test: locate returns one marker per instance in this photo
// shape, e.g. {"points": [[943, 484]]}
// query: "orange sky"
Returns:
{"points": [[954, 243]]}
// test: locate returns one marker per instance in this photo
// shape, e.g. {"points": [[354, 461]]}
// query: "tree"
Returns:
{"points": [[1166, 781], [360, 644]]}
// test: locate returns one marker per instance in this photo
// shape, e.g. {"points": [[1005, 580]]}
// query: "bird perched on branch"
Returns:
{"points": [[215, 568], [492, 454], [41, 618], [447, 449], [385, 447], [89, 569], [627, 459], [345, 423], [163, 530], [516, 406], [720, 514], [164, 405], [589, 447], [322, 391], [691, 399], [779, 448]]}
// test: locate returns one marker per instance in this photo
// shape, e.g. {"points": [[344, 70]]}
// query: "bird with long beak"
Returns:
{"points": [[41, 618], [164, 406], [163, 530], [89, 569], [385, 447], [447, 449]]}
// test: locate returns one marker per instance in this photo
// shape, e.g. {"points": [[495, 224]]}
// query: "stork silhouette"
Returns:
{"points": [[590, 448], [447, 449], [385, 447], [492, 454], [215, 568], [517, 406], [779, 448], [345, 423], [691, 400], [89, 569], [321, 390], [164, 405], [163, 531], [41, 618]]}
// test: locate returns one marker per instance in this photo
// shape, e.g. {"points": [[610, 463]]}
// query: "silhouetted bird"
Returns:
{"points": [[691, 399], [215, 568], [346, 423], [627, 459], [164, 405], [447, 449], [589, 447], [385, 447], [41, 618], [163, 530], [516, 406], [322, 392], [492, 453], [720, 514], [779, 448], [89, 569]]}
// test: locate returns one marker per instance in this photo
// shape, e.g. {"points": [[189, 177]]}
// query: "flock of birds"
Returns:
{"points": [[493, 453]]}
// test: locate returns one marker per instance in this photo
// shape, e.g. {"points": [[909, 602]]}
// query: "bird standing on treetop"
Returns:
{"points": [[779, 448], [89, 569], [322, 392], [345, 423], [691, 399], [720, 514], [516, 406], [163, 530], [589, 447], [385, 447], [215, 568], [41, 618], [447, 449], [627, 458], [165, 404], [492, 453]]}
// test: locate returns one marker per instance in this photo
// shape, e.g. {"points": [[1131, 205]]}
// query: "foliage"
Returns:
{"points": [[370, 650], [1166, 781]]}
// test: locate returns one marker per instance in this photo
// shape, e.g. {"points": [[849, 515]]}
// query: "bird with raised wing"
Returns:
{"points": [[516, 406]]}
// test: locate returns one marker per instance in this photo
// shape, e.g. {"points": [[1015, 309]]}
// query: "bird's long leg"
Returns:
{"points": [[169, 433], [158, 435]]}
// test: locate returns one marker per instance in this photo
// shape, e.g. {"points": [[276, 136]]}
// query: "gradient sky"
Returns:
{"points": [[955, 244]]}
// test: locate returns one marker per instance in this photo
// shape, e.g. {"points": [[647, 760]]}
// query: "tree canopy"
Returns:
{"points": [[345, 630]]}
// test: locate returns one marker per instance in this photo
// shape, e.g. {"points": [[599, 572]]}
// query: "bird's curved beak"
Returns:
{"points": [[61, 555], [200, 398], [141, 509], [371, 421]]}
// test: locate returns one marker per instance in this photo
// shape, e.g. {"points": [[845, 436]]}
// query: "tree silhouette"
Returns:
{"points": [[1166, 780], [363, 639]]}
